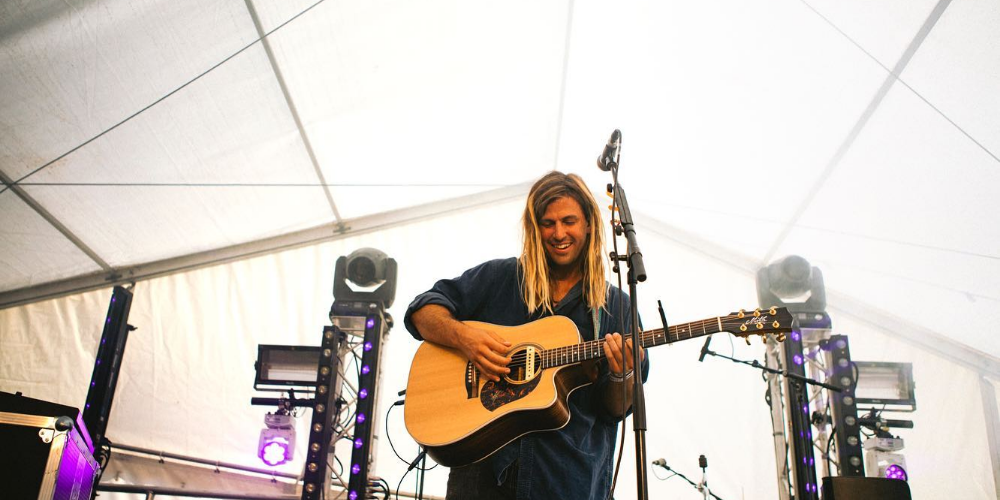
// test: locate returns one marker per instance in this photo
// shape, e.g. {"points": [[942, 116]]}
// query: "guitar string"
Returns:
{"points": [[560, 355], [595, 349]]}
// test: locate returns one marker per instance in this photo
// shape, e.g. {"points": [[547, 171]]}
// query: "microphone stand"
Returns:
{"points": [[636, 273], [703, 490], [783, 373]]}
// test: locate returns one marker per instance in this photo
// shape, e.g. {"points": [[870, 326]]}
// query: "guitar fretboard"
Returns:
{"points": [[594, 349]]}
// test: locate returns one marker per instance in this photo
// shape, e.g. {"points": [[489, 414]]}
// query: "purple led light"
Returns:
{"points": [[812, 461], [353, 495], [88, 406], [368, 346], [355, 469], [796, 336], [92, 384], [365, 369], [363, 393], [894, 471], [361, 418], [274, 453], [358, 443], [797, 359], [805, 408], [112, 300], [370, 323], [108, 321]]}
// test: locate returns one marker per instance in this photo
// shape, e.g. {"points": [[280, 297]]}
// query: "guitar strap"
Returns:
{"points": [[595, 315]]}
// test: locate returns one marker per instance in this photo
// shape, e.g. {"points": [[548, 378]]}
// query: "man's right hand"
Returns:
{"points": [[485, 349]]}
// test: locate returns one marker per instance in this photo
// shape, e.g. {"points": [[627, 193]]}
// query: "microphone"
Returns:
{"points": [[661, 462], [704, 349], [610, 154]]}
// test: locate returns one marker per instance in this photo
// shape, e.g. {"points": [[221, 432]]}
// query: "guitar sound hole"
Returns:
{"points": [[525, 364]]}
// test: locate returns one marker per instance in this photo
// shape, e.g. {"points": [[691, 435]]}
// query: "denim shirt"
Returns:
{"points": [[577, 460]]}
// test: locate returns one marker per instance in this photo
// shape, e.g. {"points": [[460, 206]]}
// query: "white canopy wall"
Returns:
{"points": [[144, 139], [188, 371]]}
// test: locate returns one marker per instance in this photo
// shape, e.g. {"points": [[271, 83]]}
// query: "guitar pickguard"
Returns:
{"points": [[496, 394]]}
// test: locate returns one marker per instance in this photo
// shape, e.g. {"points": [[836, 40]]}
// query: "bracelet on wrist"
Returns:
{"points": [[620, 378]]}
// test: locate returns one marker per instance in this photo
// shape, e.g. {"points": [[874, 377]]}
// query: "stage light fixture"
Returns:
{"points": [[286, 365], [895, 472], [367, 275], [277, 440], [793, 283], [887, 386]]}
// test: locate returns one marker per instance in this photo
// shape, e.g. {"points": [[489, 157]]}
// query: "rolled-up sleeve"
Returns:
{"points": [[464, 296]]}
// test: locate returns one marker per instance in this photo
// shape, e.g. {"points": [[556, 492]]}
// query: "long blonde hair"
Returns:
{"points": [[536, 288]]}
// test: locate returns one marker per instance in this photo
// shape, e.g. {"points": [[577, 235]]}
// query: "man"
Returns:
{"points": [[560, 272]]}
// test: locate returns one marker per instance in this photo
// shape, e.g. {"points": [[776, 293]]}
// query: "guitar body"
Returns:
{"points": [[462, 418]]}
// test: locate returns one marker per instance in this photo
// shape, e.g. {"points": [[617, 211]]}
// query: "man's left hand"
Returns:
{"points": [[613, 350]]}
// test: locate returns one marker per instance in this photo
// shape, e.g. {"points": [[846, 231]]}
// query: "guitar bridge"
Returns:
{"points": [[471, 381]]}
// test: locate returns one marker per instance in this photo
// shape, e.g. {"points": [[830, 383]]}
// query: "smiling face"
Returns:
{"points": [[564, 230]]}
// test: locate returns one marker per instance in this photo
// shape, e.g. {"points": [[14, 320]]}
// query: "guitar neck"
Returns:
{"points": [[594, 349]]}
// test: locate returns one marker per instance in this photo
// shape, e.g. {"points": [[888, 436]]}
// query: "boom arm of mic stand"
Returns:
{"points": [[784, 373], [682, 476]]}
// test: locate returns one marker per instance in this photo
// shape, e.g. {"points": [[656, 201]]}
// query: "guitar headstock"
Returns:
{"points": [[773, 320]]}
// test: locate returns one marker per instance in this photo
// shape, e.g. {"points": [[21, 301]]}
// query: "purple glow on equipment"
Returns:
{"points": [[361, 418], [355, 469], [368, 346], [797, 359], [894, 471], [796, 336], [358, 443], [275, 452], [353, 495], [363, 393], [365, 369], [370, 323]]}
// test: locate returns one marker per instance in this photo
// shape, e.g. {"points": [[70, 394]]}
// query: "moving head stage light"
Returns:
{"points": [[366, 275]]}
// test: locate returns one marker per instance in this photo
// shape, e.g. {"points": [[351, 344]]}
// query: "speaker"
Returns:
{"points": [[46, 458], [864, 488]]}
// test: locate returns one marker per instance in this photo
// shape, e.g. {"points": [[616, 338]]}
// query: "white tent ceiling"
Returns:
{"points": [[861, 136], [140, 138]]}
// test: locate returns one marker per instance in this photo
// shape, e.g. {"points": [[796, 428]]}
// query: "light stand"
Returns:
{"points": [[636, 274]]}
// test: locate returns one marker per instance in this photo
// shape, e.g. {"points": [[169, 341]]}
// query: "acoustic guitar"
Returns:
{"points": [[461, 418]]}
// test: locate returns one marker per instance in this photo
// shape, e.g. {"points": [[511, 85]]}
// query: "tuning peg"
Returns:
{"points": [[776, 324], [781, 337], [740, 314], [773, 310], [760, 326], [756, 312], [747, 338], [763, 339], [743, 328]]}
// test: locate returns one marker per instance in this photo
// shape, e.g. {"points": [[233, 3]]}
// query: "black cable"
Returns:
{"points": [[154, 103], [621, 327], [388, 437], [400, 485], [829, 443]]}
